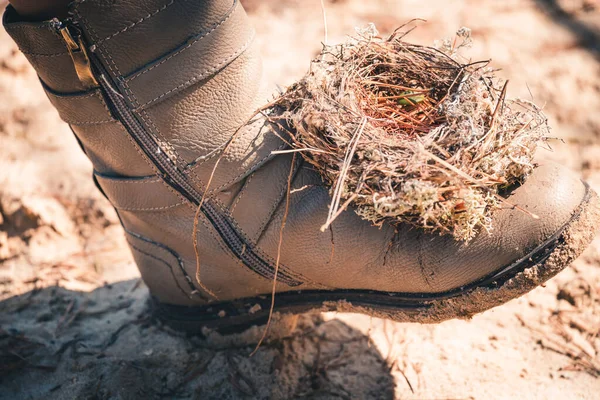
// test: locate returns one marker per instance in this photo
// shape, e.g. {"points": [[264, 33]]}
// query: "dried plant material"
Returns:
{"points": [[411, 134]]}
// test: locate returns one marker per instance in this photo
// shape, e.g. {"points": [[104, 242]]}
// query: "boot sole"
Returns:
{"points": [[513, 281]]}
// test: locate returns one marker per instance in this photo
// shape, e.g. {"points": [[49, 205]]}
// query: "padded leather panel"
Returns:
{"points": [[198, 57], [134, 33], [143, 194], [87, 108]]}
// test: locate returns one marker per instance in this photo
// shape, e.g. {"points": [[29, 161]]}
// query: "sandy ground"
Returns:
{"points": [[73, 316]]}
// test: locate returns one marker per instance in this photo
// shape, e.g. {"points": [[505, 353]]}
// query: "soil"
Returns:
{"points": [[74, 320]]}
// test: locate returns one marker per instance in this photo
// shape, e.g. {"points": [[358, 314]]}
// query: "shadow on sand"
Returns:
{"points": [[587, 36], [61, 344]]}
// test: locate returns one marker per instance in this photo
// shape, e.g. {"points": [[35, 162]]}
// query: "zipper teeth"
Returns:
{"points": [[152, 149], [243, 251], [178, 181]]}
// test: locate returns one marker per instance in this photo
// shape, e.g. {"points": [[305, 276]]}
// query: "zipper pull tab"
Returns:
{"points": [[80, 58]]}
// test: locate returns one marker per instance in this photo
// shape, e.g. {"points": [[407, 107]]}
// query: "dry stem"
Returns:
{"points": [[411, 134]]}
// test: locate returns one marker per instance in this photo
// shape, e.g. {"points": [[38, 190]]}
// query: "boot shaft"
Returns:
{"points": [[153, 91], [172, 64]]}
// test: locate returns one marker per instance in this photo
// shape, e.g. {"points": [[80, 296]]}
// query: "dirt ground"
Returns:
{"points": [[74, 322]]}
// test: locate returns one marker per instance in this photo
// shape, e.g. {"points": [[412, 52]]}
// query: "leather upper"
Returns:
{"points": [[190, 73]]}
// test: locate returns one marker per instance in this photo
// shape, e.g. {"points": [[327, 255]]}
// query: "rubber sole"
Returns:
{"points": [[514, 280]]}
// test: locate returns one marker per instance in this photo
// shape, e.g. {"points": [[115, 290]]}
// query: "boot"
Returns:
{"points": [[155, 90]]}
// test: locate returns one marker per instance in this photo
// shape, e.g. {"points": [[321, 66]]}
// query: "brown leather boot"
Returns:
{"points": [[155, 89]]}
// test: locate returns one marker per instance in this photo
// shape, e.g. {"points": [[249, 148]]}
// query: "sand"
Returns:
{"points": [[74, 321]]}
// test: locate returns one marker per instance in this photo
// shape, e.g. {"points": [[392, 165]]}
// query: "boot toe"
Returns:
{"points": [[534, 215], [353, 254]]}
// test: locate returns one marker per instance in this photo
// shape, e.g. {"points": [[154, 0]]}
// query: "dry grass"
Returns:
{"points": [[411, 134]]}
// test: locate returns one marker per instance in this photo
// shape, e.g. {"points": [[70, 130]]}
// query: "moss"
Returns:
{"points": [[411, 134]]}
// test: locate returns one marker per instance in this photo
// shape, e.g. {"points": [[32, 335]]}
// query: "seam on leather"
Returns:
{"points": [[111, 119], [293, 274], [70, 96], [104, 121], [199, 38], [241, 193], [150, 208], [150, 123], [43, 55], [22, 25], [196, 163], [205, 73], [257, 164], [211, 231], [282, 268], [259, 251], [254, 167], [150, 15], [215, 152], [95, 93], [193, 166], [133, 99], [148, 120], [180, 262], [134, 247], [276, 204], [130, 95], [130, 182], [145, 117], [126, 87], [46, 25]]}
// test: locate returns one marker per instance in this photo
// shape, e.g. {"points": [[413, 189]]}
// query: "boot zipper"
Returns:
{"points": [[80, 58], [92, 74]]}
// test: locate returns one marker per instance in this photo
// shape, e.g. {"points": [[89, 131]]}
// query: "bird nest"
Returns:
{"points": [[411, 134]]}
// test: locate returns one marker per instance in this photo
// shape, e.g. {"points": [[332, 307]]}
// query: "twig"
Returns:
{"points": [[324, 22], [283, 221]]}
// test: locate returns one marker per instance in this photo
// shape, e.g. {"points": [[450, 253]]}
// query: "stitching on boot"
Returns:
{"points": [[205, 73], [117, 73], [27, 53], [295, 275], [150, 208], [242, 192], [71, 96], [194, 166], [134, 247], [133, 181], [132, 98], [77, 123], [276, 204], [150, 15], [261, 230], [258, 164], [282, 268], [143, 114], [180, 261], [203, 159], [211, 230], [95, 93], [199, 38], [24, 26]]}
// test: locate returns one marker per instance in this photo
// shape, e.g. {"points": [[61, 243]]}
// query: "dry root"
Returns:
{"points": [[411, 134]]}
